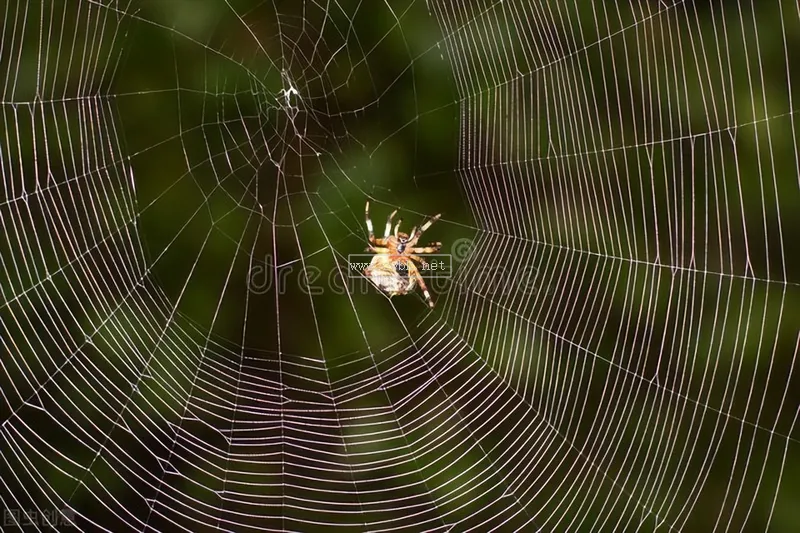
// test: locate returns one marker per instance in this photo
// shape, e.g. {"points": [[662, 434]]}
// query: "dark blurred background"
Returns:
{"points": [[184, 346]]}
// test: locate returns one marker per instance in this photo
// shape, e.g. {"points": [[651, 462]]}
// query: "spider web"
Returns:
{"points": [[182, 183]]}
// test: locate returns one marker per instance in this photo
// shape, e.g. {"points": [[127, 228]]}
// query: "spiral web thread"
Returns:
{"points": [[644, 380]]}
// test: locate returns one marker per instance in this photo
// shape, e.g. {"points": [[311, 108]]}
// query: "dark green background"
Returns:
{"points": [[620, 113]]}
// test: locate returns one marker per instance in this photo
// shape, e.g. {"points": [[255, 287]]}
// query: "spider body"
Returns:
{"points": [[393, 269]]}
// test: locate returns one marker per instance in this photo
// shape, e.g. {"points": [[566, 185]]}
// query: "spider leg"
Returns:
{"points": [[416, 235], [428, 224], [387, 231], [418, 259], [412, 270], [430, 249], [397, 228], [370, 229], [369, 223], [377, 249]]}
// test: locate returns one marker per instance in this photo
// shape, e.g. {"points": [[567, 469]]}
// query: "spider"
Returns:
{"points": [[392, 269]]}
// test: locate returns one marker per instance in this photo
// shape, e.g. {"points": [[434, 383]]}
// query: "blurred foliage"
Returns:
{"points": [[254, 142]]}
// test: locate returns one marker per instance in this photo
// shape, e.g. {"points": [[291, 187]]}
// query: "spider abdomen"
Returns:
{"points": [[391, 276]]}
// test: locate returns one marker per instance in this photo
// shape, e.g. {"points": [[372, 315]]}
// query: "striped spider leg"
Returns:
{"points": [[414, 271], [387, 231], [431, 248], [417, 233], [411, 251]]}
